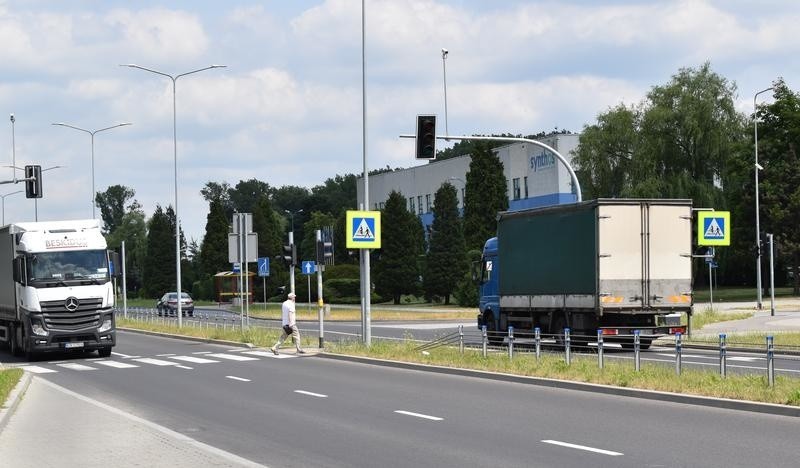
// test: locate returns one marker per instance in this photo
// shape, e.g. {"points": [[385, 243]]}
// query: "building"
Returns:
{"points": [[534, 177]]}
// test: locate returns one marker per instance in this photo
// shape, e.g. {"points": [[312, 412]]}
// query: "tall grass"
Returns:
{"points": [[8, 380]]}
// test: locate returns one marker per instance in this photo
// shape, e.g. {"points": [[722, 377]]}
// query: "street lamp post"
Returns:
{"points": [[175, 160], [291, 241], [92, 133], [756, 168], [444, 73], [4, 203]]}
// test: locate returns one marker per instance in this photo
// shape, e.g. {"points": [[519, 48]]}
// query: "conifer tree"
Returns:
{"points": [[445, 262]]}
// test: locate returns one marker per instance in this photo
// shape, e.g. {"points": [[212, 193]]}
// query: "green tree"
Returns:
{"points": [[133, 231], [113, 204], [485, 195], [396, 269], [446, 261], [214, 249], [159, 277]]}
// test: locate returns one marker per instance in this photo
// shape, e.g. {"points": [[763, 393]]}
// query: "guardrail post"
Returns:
{"points": [[461, 339], [723, 356], [510, 342], [537, 341], [678, 359], [771, 361], [600, 349], [567, 346], [483, 339], [636, 348]]}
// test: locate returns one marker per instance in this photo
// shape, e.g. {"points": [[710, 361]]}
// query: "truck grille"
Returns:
{"points": [[58, 317]]}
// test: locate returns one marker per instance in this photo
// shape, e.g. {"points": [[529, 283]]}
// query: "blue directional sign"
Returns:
{"points": [[237, 267], [308, 268], [263, 266]]}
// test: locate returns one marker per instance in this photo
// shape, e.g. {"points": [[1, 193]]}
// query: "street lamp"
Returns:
{"points": [[756, 168], [91, 132], [175, 158], [291, 241], [4, 203], [444, 73]]}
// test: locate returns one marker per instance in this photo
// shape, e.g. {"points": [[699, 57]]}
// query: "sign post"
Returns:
{"points": [[243, 248], [263, 272], [364, 232]]}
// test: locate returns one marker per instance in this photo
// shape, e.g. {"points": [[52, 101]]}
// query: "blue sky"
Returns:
{"points": [[287, 110]]}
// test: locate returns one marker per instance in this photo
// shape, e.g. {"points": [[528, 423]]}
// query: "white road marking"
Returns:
{"points": [[184, 367], [268, 354], [233, 357], [117, 365], [318, 395], [37, 369], [165, 355], [236, 378], [76, 366], [155, 362], [583, 447], [746, 359], [202, 352], [418, 415], [124, 355], [197, 360], [426, 326]]}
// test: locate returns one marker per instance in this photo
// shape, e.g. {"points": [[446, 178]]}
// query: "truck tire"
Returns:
{"points": [[104, 352], [492, 336], [13, 342]]}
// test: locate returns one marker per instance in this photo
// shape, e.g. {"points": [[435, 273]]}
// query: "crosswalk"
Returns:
{"points": [[123, 361]]}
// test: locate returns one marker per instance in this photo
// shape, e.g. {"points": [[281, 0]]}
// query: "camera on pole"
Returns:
{"points": [[426, 137], [33, 181]]}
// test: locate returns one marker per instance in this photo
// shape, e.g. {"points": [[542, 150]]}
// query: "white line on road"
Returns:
{"points": [[268, 354], [155, 362], [165, 355], [232, 377], [75, 366], [418, 415], [184, 367], [122, 355], [37, 369], [202, 352], [196, 360], [318, 395], [583, 447], [118, 365], [233, 357]]}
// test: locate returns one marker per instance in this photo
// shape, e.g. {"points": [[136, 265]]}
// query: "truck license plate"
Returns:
{"points": [[73, 345]]}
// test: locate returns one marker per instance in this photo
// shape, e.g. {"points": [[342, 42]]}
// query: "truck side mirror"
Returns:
{"points": [[19, 269], [114, 265], [476, 266]]}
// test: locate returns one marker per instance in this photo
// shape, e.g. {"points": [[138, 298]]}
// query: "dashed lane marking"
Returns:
{"points": [[318, 395], [232, 377], [196, 360], [419, 415], [583, 447]]}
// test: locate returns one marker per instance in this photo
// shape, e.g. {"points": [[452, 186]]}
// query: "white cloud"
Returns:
{"points": [[160, 34]]}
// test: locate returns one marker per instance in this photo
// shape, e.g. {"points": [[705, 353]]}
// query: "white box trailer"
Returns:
{"points": [[56, 288]]}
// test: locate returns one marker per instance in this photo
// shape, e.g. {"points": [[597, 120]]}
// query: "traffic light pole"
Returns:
{"points": [[291, 263]]}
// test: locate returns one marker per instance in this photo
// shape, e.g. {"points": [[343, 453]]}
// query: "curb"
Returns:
{"points": [[14, 398], [238, 344], [724, 403]]}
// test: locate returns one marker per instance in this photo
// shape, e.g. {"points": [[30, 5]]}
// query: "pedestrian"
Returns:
{"points": [[289, 323]]}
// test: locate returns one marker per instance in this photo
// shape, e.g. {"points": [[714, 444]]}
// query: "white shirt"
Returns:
{"points": [[287, 313]]}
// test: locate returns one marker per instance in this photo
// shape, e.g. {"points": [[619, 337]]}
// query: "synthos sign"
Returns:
{"points": [[542, 161]]}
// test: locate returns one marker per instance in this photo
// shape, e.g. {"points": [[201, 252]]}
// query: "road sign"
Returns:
{"points": [[237, 267], [263, 266], [308, 267], [363, 230], [714, 228]]}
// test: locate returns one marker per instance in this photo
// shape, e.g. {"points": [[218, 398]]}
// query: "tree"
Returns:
{"points": [[214, 249], [396, 269], [446, 261], [133, 231], [113, 204], [485, 195], [158, 276]]}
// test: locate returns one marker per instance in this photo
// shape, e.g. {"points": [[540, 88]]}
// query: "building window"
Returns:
{"points": [[516, 188], [419, 204], [411, 204], [525, 183], [428, 203]]}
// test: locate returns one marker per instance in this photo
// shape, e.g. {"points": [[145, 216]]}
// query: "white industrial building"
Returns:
{"points": [[534, 177]]}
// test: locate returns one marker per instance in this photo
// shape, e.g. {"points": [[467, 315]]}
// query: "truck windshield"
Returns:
{"points": [[70, 266]]}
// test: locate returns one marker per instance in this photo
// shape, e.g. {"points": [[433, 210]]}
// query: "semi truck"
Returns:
{"points": [[609, 265], [56, 289]]}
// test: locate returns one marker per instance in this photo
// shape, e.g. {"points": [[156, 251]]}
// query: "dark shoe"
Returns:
{"points": [[300, 351]]}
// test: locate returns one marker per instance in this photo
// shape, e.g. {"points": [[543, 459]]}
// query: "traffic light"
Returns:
{"points": [[426, 137], [324, 252], [290, 254], [33, 181]]}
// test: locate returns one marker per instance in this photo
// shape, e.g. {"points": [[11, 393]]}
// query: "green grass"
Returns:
{"points": [[727, 294], [701, 319], [8, 380]]}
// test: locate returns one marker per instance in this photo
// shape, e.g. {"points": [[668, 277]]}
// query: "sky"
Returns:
{"points": [[287, 109]]}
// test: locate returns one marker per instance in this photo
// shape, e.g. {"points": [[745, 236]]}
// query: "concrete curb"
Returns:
{"points": [[238, 344], [13, 399], [725, 403]]}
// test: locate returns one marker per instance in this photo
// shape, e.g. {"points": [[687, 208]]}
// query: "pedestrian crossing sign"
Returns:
{"points": [[363, 230], [714, 228]]}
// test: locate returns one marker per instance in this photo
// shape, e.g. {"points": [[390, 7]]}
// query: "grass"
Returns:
{"points": [[726, 294], [8, 380], [701, 319], [583, 369]]}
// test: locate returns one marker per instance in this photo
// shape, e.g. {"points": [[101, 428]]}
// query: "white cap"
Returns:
{"points": [[291, 295]]}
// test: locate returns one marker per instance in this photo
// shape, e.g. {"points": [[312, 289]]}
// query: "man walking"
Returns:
{"points": [[289, 322]]}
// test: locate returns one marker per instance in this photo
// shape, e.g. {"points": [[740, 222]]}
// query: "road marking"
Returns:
{"points": [[115, 364], [318, 395], [418, 415], [197, 360], [124, 355], [583, 447], [236, 378], [155, 362], [165, 355], [233, 357], [268, 354], [184, 367], [75, 366], [202, 352], [37, 369]]}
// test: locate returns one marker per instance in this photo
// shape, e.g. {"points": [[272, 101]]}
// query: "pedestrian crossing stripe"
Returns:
{"points": [[714, 228], [363, 230]]}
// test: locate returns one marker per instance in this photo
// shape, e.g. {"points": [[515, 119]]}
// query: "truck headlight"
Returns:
{"points": [[37, 328], [105, 326]]}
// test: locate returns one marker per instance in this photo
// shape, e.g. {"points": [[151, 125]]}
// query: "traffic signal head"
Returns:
{"points": [[290, 254], [324, 252], [33, 181], [426, 137]]}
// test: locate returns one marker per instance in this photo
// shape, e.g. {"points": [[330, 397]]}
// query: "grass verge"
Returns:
{"points": [[701, 319], [8, 380]]}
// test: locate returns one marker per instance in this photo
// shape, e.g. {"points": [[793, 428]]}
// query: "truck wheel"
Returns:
{"points": [[104, 352], [13, 342], [492, 335], [26, 350]]}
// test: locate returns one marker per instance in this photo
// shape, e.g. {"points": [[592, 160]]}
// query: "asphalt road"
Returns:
{"points": [[311, 411]]}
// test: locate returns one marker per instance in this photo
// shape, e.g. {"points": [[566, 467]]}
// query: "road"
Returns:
{"points": [[311, 411]]}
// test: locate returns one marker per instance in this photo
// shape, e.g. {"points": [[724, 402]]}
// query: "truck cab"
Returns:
{"points": [[488, 287]]}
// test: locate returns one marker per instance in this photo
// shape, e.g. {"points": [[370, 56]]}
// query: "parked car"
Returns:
{"points": [[168, 304]]}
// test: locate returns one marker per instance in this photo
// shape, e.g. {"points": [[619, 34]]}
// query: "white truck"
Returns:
{"points": [[56, 288]]}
